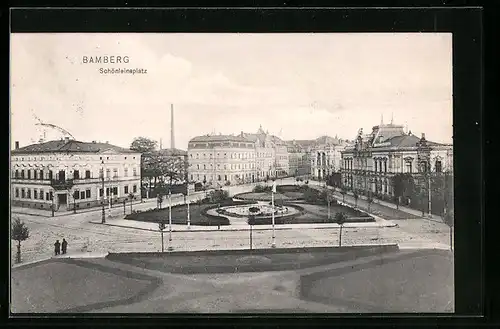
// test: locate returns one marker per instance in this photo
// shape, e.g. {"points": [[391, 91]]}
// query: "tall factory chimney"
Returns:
{"points": [[172, 135]]}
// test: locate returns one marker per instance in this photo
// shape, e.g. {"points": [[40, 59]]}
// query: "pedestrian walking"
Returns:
{"points": [[64, 246], [57, 247]]}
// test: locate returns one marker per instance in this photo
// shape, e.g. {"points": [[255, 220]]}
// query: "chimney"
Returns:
{"points": [[17, 145], [172, 135], [66, 139], [423, 135], [241, 133]]}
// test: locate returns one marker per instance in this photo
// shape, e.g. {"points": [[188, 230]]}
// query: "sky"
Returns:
{"points": [[297, 86]]}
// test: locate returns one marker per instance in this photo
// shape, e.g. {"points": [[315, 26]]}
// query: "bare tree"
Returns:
{"points": [[340, 218]]}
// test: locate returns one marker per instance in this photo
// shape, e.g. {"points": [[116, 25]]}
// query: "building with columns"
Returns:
{"points": [[325, 156], [374, 159], [66, 174]]}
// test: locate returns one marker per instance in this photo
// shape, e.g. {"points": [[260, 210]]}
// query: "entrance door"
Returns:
{"points": [[62, 201]]}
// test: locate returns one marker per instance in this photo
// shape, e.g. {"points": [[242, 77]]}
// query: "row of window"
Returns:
{"points": [[114, 190], [41, 174], [236, 176], [88, 158], [233, 166], [381, 166], [246, 155], [38, 194]]}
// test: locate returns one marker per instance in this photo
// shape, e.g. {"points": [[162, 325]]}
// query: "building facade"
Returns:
{"points": [[375, 158], [326, 157], [218, 160], [299, 157], [67, 174]]}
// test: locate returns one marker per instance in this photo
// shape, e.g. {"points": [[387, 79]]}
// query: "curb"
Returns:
{"points": [[31, 263], [56, 258], [254, 228]]}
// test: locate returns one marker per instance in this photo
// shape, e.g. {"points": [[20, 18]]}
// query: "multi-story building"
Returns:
{"points": [[219, 160], [271, 155], [67, 174], [326, 156], [375, 158], [299, 157]]}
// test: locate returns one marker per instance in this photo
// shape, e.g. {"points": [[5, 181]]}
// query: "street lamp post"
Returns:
{"points": [[103, 216], [188, 213], [52, 199], [273, 244], [169, 220], [430, 196], [109, 197]]}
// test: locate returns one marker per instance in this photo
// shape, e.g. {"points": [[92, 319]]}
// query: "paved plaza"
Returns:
{"points": [[85, 233], [423, 265]]}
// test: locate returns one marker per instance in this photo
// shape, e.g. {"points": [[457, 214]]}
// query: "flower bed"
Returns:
{"points": [[198, 214]]}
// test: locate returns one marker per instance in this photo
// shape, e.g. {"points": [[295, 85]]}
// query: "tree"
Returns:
{"points": [[369, 200], [218, 196], [161, 227], [403, 186], [19, 232], [340, 218], [343, 191], [131, 197], [356, 196], [159, 200], [449, 220], [143, 144], [422, 199], [311, 195]]}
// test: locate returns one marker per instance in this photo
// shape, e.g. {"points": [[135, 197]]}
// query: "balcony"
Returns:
{"points": [[58, 184]]}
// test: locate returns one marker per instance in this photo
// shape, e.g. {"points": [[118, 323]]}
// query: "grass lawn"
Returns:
{"points": [[317, 214], [61, 286], [179, 215], [385, 212], [244, 261], [416, 284], [263, 196]]}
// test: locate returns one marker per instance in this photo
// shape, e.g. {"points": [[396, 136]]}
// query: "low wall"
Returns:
{"points": [[392, 247], [339, 254]]}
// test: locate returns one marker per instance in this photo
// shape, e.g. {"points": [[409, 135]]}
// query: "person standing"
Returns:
{"points": [[57, 247], [64, 246]]}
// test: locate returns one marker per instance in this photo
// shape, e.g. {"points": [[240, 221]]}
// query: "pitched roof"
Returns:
{"points": [[405, 141], [70, 146], [220, 138]]}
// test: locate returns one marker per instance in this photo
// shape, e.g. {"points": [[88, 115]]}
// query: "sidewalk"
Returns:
{"points": [[147, 226], [48, 213], [407, 210]]}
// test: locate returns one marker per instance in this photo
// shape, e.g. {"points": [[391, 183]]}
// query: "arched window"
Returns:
{"points": [[438, 165]]}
